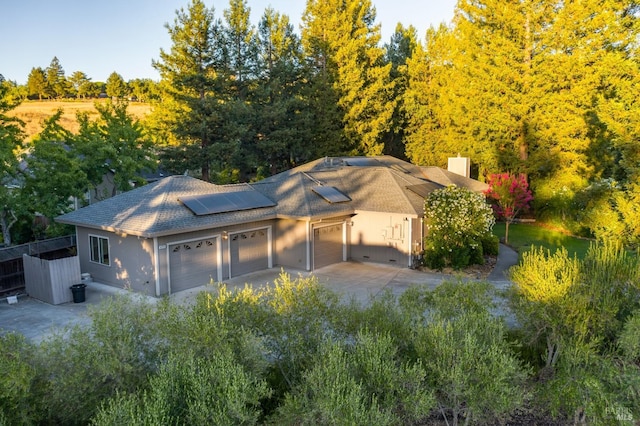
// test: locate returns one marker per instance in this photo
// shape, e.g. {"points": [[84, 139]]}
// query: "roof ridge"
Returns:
{"points": [[307, 203], [396, 175], [165, 194]]}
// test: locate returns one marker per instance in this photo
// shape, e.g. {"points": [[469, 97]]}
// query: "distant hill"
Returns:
{"points": [[33, 113]]}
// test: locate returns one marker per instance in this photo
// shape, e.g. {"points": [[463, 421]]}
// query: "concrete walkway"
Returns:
{"points": [[360, 281]]}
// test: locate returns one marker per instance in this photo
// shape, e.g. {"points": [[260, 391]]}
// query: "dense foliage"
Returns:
{"points": [[543, 88], [291, 353], [459, 224], [58, 171], [297, 353], [578, 316]]}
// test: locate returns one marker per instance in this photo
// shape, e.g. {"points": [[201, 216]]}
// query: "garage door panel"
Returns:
{"points": [[192, 264], [327, 245], [249, 251]]}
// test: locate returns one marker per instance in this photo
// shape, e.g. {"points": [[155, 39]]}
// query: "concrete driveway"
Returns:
{"points": [[361, 281]]}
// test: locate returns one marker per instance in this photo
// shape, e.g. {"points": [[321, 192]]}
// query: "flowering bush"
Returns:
{"points": [[459, 225]]}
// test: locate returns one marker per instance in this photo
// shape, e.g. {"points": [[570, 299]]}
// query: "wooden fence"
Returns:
{"points": [[50, 280], [12, 268]]}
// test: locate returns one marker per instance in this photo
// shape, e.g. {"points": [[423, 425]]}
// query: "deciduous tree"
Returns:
{"points": [[11, 137], [113, 143], [54, 176], [510, 195], [80, 83]]}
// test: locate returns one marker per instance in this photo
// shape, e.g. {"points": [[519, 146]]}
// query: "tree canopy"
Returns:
{"points": [[546, 89]]}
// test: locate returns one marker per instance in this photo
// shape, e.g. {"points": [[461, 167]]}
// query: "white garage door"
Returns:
{"points": [[249, 251], [327, 245], [193, 263]]}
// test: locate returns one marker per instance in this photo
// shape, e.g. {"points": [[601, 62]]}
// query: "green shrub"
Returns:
{"points": [[612, 214], [89, 364], [490, 245], [577, 313], [191, 390], [18, 374], [589, 387], [464, 349], [629, 340], [363, 383], [459, 225]]}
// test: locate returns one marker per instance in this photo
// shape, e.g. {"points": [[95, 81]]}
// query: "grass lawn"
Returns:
{"points": [[523, 235]]}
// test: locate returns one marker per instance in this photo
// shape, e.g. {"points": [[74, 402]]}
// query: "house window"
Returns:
{"points": [[99, 249]]}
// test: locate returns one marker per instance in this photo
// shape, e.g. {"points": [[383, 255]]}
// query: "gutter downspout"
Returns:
{"points": [[156, 261], [410, 222]]}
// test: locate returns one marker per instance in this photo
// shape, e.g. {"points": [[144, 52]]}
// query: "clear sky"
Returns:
{"points": [[98, 37]]}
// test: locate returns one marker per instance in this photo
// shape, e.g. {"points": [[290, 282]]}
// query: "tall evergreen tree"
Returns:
{"points": [[282, 112], [341, 38], [241, 47], [190, 110], [399, 50], [116, 86], [37, 83], [435, 116], [240, 70], [520, 86], [58, 86]]}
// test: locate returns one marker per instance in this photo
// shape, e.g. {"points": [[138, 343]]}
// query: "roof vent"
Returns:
{"points": [[333, 162]]}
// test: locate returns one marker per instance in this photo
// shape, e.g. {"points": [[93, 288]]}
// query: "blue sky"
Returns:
{"points": [[99, 37]]}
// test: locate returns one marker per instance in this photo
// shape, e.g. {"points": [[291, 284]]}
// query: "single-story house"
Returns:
{"points": [[180, 232]]}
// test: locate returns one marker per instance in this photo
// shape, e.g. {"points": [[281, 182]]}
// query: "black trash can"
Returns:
{"points": [[78, 291]]}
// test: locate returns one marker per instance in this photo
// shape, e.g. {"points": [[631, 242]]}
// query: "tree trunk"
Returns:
{"points": [[6, 223], [506, 231]]}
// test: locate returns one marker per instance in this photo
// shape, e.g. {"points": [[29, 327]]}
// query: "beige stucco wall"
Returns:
{"points": [[291, 243], [381, 237], [131, 261]]}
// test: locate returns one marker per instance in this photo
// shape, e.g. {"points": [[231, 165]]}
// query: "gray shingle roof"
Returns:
{"points": [[381, 186], [154, 210]]}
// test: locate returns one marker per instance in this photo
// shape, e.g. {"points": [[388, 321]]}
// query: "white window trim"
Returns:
{"points": [[99, 246]]}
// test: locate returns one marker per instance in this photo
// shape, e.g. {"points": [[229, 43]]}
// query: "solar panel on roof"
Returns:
{"points": [[225, 202], [424, 189], [362, 162], [330, 194]]}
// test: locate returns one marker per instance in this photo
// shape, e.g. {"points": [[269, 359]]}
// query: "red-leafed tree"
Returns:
{"points": [[510, 195]]}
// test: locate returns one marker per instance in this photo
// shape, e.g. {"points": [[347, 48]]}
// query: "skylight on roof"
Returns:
{"points": [[225, 202], [331, 194], [362, 162]]}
